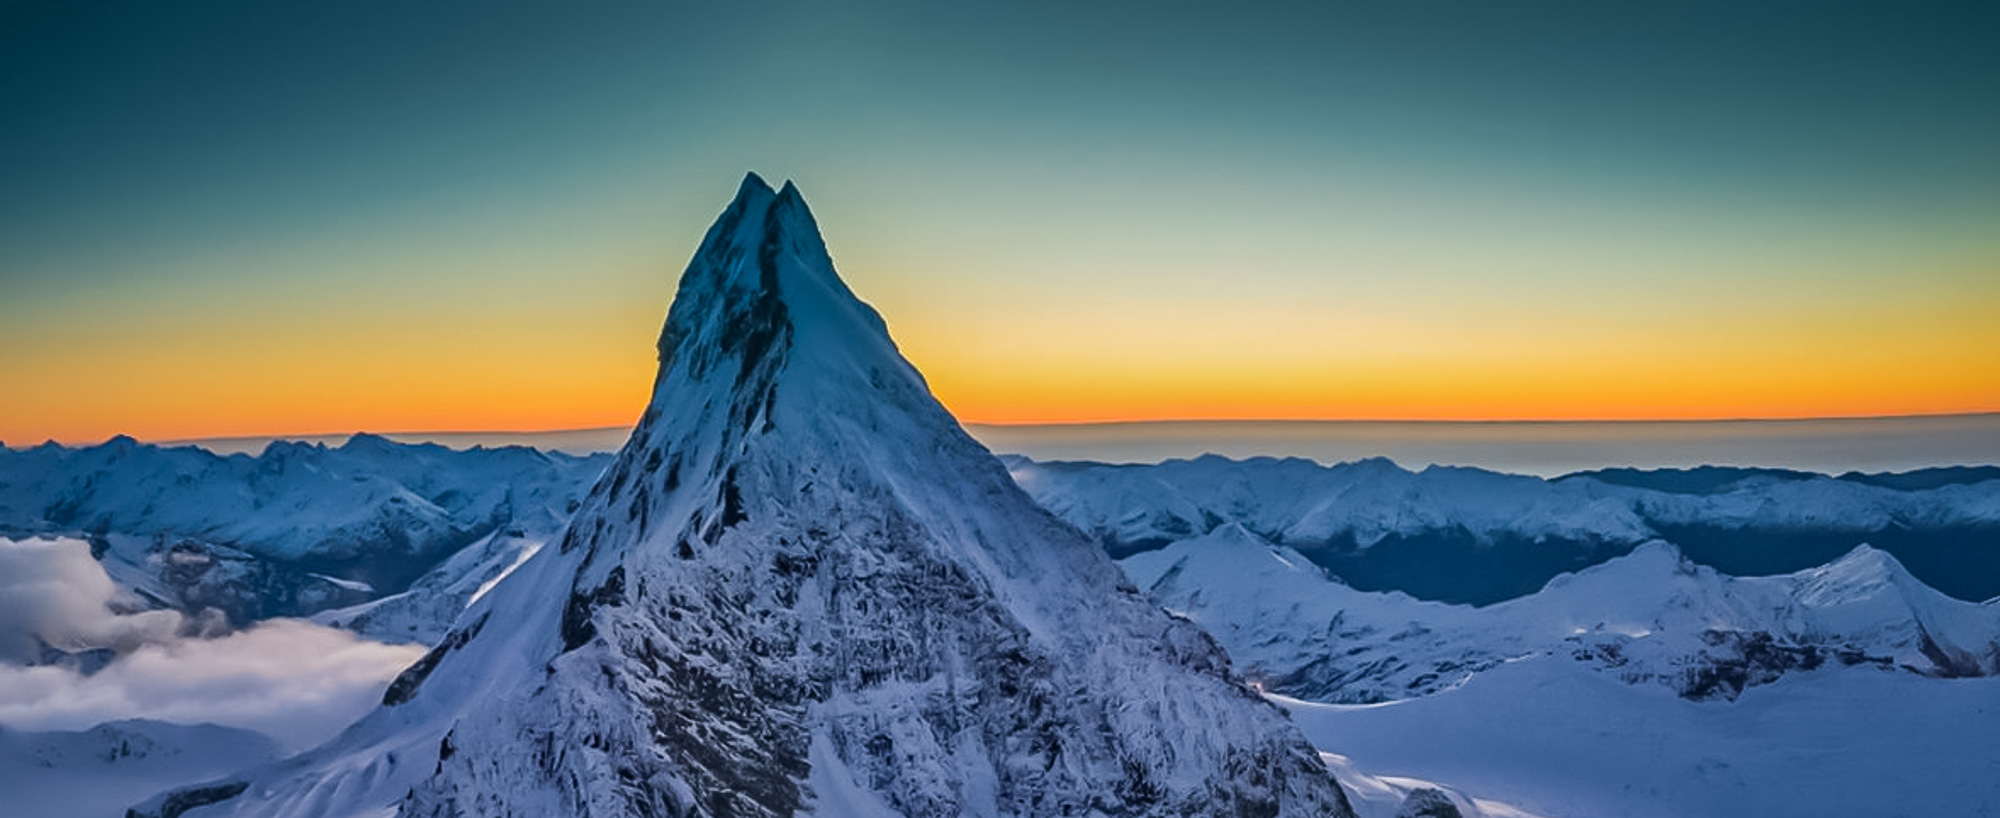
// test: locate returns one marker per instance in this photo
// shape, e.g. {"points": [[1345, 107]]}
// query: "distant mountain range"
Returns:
{"points": [[304, 529], [1478, 537], [297, 529], [1540, 448]]}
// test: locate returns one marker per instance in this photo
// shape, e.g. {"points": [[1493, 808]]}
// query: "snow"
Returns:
{"points": [[349, 584], [835, 789], [1558, 740], [1341, 515], [1378, 796], [424, 612], [1648, 617], [97, 772], [521, 556], [296, 529]]}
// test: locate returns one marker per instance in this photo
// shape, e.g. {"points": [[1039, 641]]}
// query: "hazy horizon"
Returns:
{"points": [[1542, 448]]}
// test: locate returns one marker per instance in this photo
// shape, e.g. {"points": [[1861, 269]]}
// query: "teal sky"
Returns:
{"points": [[1065, 211]]}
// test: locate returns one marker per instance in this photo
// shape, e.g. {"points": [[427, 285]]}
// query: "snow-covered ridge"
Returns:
{"points": [[1649, 617], [1467, 535], [298, 528]]}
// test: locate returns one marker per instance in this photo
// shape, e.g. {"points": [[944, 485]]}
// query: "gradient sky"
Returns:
{"points": [[268, 218]]}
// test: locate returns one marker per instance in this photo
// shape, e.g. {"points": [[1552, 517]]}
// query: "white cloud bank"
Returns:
{"points": [[54, 590], [298, 682]]}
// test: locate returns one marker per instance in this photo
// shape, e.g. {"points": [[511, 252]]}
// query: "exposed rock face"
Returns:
{"points": [[801, 588], [1428, 802]]}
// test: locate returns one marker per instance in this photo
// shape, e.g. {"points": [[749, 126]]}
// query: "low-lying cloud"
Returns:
{"points": [[54, 592], [298, 682]]}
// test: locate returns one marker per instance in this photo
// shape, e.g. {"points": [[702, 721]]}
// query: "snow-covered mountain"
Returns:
{"points": [[1649, 617], [1473, 536], [97, 772], [802, 589], [297, 529]]}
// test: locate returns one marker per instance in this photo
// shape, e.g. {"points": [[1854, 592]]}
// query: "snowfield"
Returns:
{"points": [[1555, 739], [98, 772]]}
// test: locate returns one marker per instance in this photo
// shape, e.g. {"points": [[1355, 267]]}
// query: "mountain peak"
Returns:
{"points": [[752, 183], [760, 303], [1862, 572], [801, 578]]}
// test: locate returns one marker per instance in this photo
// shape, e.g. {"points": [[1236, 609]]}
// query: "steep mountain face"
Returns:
{"points": [[802, 589], [1649, 617], [297, 529], [1476, 537]]}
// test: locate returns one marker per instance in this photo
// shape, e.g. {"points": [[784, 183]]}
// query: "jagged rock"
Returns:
{"points": [[1428, 802]]}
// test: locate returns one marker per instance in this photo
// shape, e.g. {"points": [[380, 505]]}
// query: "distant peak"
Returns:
{"points": [[1865, 560], [366, 440]]}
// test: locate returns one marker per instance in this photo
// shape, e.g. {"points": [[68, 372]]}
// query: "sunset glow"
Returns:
{"points": [[1579, 217]]}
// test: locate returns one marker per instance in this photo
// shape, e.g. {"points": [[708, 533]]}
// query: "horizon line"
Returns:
{"points": [[1487, 421], [177, 441]]}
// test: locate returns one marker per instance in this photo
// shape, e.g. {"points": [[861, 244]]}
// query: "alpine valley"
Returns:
{"points": [[800, 588]]}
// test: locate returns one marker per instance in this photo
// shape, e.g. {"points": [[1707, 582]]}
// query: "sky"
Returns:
{"points": [[248, 218]]}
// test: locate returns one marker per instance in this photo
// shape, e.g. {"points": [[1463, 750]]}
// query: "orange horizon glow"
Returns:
{"points": [[380, 341], [1224, 218], [156, 380], [411, 402]]}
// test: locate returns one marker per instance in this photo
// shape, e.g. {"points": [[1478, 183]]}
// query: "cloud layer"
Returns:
{"points": [[297, 682], [53, 590]]}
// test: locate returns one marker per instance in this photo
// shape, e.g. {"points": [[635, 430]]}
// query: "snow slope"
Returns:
{"points": [[1648, 617], [95, 773], [423, 613], [1553, 738], [802, 589]]}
